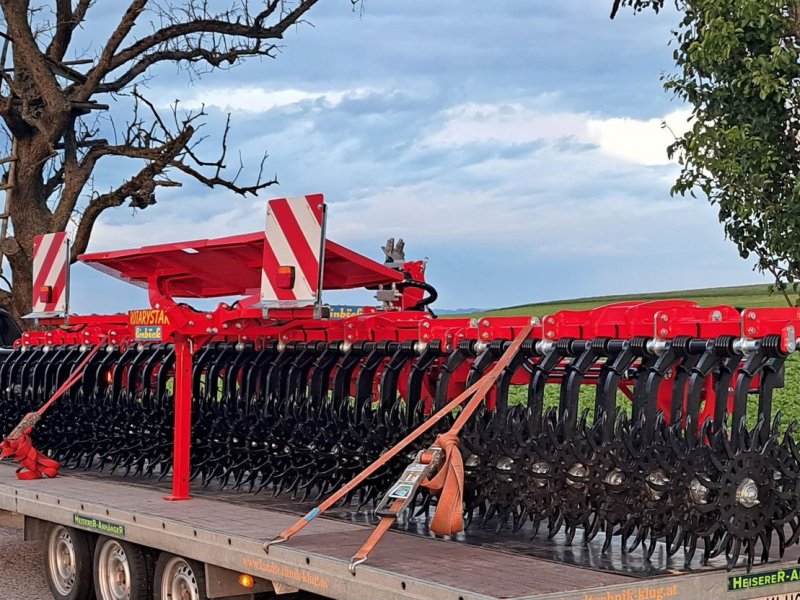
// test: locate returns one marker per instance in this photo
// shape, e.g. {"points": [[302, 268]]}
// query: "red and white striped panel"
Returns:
{"points": [[295, 237], [50, 273]]}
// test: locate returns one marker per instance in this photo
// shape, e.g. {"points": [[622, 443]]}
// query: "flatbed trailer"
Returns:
{"points": [[227, 537]]}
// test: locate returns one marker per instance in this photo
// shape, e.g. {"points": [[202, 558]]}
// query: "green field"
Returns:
{"points": [[743, 296], [786, 400]]}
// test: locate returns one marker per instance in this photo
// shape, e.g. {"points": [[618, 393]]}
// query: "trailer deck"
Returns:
{"points": [[230, 535]]}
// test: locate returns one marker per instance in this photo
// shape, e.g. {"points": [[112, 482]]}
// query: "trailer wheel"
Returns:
{"points": [[68, 563], [179, 578], [121, 571]]}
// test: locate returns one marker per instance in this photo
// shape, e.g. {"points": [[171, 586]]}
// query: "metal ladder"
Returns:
{"points": [[7, 187]]}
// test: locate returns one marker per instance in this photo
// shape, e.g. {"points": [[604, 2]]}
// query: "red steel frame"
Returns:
{"points": [[231, 265]]}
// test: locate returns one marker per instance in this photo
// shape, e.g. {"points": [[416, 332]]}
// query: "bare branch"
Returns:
{"points": [[64, 28], [211, 57], [48, 107], [217, 181], [104, 64], [180, 41], [136, 185], [28, 56]]}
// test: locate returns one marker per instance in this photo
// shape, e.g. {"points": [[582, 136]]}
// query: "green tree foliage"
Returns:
{"points": [[637, 5], [738, 65]]}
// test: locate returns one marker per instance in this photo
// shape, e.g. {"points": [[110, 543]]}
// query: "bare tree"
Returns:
{"points": [[52, 112]]}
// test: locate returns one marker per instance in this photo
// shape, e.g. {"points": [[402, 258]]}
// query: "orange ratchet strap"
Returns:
{"points": [[18, 445], [442, 460]]}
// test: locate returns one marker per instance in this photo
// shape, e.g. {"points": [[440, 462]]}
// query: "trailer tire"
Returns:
{"points": [[121, 571], [179, 578], [68, 563]]}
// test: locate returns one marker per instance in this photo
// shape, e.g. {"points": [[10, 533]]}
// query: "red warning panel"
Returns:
{"points": [[293, 252], [50, 274]]}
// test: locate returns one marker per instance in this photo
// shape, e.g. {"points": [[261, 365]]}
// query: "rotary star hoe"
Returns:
{"points": [[650, 423]]}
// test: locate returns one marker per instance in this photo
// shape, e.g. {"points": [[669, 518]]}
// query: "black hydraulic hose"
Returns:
{"points": [[430, 299]]}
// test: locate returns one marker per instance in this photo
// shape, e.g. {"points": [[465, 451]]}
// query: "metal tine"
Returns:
{"points": [[540, 373], [31, 361], [673, 353], [483, 361], [376, 353], [93, 378], [94, 392], [321, 376], [753, 365], [532, 438], [204, 419], [628, 452], [641, 534], [772, 376], [211, 410], [574, 373], [561, 433], [13, 391], [199, 367], [611, 373], [506, 377], [11, 383], [163, 375], [766, 542], [156, 352], [680, 380], [39, 375], [279, 384], [250, 377], [390, 379], [23, 392], [343, 378], [138, 418], [14, 384], [595, 523], [286, 388], [417, 376], [119, 372], [66, 366], [492, 429], [291, 389], [55, 357], [296, 391], [732, 550], [648, 360], [234, 373], [723, 387], [111, 404], [7, 366], [134, 372], [709, 363], [300, 372], [263, 376], [215, 368], [456, 359], [488, 447], [15, 407]]}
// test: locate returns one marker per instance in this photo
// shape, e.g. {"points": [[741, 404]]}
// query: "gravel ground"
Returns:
{"points": [[21, 576]]}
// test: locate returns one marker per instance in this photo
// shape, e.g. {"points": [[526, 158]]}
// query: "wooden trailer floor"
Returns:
{"points": [[403, 566]]}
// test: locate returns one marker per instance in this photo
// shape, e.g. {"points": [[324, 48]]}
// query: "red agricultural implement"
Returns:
{"points": [[646, 421]]}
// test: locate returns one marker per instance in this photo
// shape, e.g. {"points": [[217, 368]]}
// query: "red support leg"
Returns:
{"points": [[183, 420]]}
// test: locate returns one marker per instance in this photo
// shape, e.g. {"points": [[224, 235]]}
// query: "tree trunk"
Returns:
{"points": [[27, 206]]}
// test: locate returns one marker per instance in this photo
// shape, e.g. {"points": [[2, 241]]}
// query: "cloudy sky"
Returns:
{"points": [[516, 144]]}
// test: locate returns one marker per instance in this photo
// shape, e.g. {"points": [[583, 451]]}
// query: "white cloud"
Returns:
{"points": [[602, 196], [546, 202], [638, 141], [254, 99]]}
